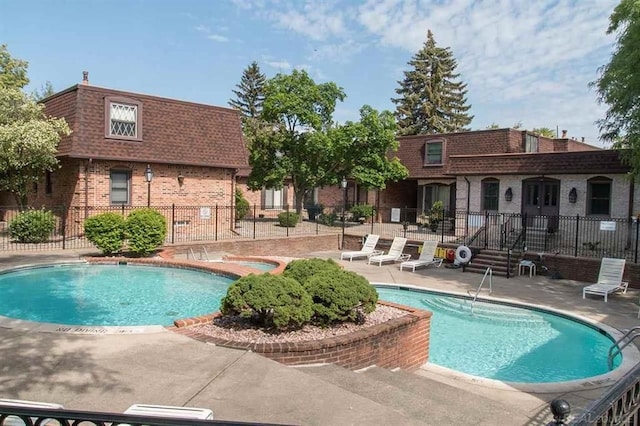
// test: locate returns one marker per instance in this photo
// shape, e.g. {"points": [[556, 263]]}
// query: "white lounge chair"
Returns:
{"points": [[170, 411], [609, 279], [395, 253], [427, 257], [368, 249], [16, 421]]}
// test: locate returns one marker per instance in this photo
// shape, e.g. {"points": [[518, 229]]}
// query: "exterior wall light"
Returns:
{"points": [[573, 195], [180, 179], [508, 195]]}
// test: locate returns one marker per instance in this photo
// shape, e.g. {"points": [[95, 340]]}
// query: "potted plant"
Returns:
{"points": [[435, 215]]}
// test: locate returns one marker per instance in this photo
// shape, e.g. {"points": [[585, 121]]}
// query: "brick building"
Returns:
{"points": [[193, 151]]}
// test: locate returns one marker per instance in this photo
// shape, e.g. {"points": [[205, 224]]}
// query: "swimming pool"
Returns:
{"points": [[505, 342], [109, 295], [261, 266]]}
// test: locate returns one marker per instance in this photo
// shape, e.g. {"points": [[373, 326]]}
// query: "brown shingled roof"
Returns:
{"points": [[576, 162], [173, 131]]}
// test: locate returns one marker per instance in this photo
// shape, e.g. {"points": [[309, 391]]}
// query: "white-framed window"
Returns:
{"points": [[273, 199], [120, 184], [433, 153], [530, 143], [599, 196], [123, 120]]}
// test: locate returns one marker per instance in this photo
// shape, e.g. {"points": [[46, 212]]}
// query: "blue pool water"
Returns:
{"points": [[109, 294], [262, 266], [507, 343]]}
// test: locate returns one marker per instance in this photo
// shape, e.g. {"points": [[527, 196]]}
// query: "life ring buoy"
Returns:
{"points": [[463, 254]]}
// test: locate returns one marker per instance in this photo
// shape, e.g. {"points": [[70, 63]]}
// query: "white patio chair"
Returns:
{"points": [[368, 249], [609, 279], [427, 257], [395, 253]]}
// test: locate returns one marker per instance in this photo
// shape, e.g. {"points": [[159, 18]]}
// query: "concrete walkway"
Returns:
{"points": [[111, 372]]}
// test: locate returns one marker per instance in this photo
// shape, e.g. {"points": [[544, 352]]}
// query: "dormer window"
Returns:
{"points": [[434, 153], [123, 119]]}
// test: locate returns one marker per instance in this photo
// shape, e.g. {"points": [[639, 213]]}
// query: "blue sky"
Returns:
{"points": [[523, 61]]}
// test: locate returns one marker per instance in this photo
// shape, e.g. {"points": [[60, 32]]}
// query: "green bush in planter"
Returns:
{"points": [[106, 231], [288, 219], [32, 226], [340, 296], [146, 230], [303, 269], [272, 301]]}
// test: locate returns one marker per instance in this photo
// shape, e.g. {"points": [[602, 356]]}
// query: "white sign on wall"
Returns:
{"points": [[395, 215], [607, 225], [205, 212]]}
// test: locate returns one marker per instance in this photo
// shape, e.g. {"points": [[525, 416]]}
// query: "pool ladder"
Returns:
{"points": [[203, 252], [616, 348], [487, 273]]}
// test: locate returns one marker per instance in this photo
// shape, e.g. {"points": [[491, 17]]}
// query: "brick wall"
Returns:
{"points": [[399, 343]]}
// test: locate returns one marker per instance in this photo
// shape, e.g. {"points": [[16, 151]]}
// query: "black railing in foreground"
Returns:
{"points": [[41, 416], [566, 235], [619, 405]]}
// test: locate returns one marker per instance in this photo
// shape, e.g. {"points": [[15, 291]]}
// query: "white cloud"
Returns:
{"points": [[337, 52], [316, 20], [281, 65], [217, 37]]}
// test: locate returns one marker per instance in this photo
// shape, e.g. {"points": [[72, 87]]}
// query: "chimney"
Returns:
{"points": [[583, 139], [85, 77], [564, 134]]}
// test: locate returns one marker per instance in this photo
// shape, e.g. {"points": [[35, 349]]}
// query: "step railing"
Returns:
{"points": [[489, 273], [617, 348]]}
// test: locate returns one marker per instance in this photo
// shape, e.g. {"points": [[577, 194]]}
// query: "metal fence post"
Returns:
{"points": [[635, 254], [64, 227], [374, 215], [215, 225], [575, 252], [404, 222], [254, 221], [173, 223], [486, 229]]}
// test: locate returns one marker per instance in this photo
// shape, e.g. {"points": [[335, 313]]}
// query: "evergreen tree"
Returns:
{"points": [[250, 93], [432, 100]]}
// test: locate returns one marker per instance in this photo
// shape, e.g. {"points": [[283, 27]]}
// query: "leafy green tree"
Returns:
{"points": [[28, 138], [250, 94], [545, 131], [619, 85], [13, 72], [298, 140], [45, 91], [431, 99]]}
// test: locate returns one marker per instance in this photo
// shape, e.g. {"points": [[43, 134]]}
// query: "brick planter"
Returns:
{"points": [[399, 343]]}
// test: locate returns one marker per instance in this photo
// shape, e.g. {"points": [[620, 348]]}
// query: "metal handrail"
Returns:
{"points": [[489, 272], [616, 349], [206, 255], [193, 255]]}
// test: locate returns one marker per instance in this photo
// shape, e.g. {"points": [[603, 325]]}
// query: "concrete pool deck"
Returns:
{"points": [[112, 372]]}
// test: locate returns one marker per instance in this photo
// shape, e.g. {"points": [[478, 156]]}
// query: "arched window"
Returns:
{"points": [[599, 196], [490, 194]]}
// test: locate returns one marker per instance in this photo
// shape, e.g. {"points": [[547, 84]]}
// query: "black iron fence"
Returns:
{"points": [[567, 235]]}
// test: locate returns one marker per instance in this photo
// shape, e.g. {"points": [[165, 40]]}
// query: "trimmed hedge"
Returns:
{"points": [[242, 205], [32, 226], [288, 219], [340, 296], [303, 269], [106, 231], [272, 301], [146, 230]]}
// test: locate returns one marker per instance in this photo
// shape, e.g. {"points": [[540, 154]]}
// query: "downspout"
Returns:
{"points": [[466, 222], [86, 188]]}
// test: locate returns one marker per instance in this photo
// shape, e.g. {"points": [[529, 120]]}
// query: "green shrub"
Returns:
{"points": [[146, 230], [32, 226], [288, 219], [361, 210], [303, 269], [328, 219], [340, 296], [106, 231], [242, 205], [272, 301]]}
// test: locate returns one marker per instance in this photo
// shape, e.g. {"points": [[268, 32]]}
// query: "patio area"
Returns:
{"points": [[112, 372]]}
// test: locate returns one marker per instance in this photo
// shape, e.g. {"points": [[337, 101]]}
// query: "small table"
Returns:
{"points": [[527, 264]]}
